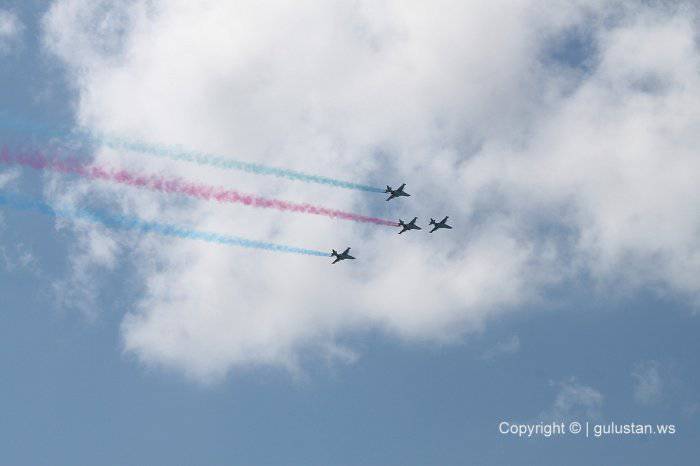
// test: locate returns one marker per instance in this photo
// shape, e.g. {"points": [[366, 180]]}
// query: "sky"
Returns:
{"points": [[560, 137]]}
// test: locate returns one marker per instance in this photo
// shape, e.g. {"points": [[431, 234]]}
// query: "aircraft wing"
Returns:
{"points": [[444, 220], [346, 251], [337, 259]]}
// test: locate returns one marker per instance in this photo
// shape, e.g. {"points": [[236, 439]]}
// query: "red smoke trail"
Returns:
{"points": [[39, 161]]}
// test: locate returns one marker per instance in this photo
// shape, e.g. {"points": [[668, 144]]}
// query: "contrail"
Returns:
{"points": [[177, 153], [39, 161], [132, 223]]}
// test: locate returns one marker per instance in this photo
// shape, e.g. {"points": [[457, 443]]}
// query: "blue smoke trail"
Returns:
{"points": [[132, 223], [175, 153]]}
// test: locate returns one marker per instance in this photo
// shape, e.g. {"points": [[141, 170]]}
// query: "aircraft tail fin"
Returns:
{"points": [[432, 221], [388, 189], [334, 253]]}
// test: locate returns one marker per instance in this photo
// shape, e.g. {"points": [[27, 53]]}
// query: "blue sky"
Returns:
{"points": [[544, 304]]}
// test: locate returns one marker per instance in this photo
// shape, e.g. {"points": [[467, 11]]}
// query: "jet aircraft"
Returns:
{"points": [[409, 226], [398, 192], [342, 256], [441, 224]]}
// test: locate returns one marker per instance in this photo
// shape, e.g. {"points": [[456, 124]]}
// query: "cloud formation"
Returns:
{"points": [[10, 29], [574, 401], [648, 383], [7, 176], [554, 163], [503, 348]]}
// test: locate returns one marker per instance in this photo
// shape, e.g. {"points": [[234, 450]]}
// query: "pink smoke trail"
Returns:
{"points": [[39, 161]]}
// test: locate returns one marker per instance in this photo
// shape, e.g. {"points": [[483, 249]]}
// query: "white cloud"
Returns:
{"points": [[574, 401], [18, 257], [14, 256], [10, 29], [547, 170], [648, 382], [8, 176], [95, 252], [505, 347], [615, 158]]}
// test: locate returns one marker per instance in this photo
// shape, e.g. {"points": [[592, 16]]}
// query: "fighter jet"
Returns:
{"points": [[409, 226], [441, 224], [342, 256], [398, 192]]}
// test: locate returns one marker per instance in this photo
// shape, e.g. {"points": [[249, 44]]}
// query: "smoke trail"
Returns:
{"points": [[122, 222], [176, 153], [175, 186]]}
